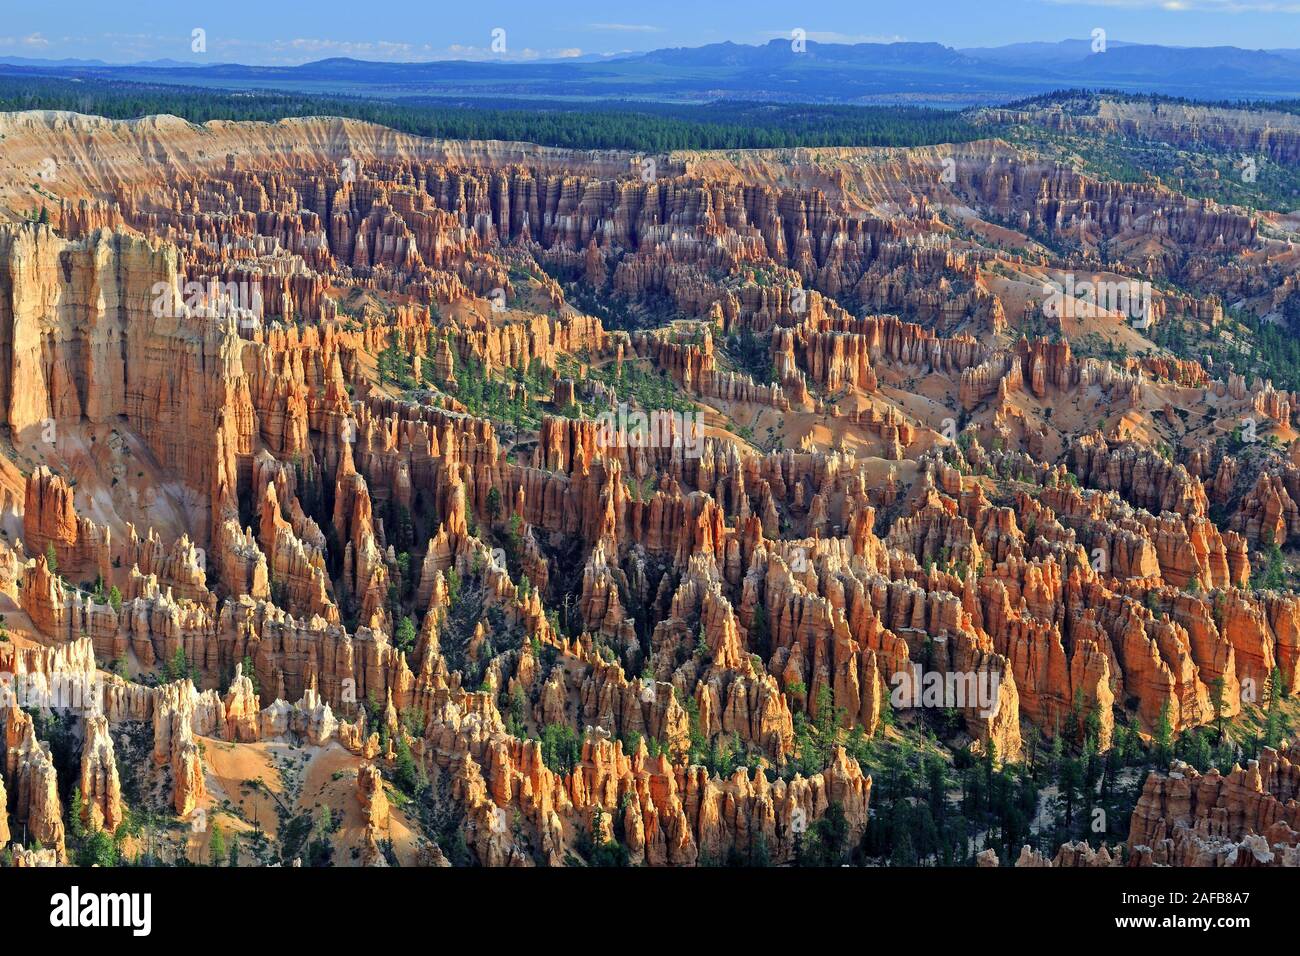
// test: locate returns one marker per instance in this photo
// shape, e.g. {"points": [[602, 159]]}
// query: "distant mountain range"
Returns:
{"points": [[38, 62], [824, 72]]}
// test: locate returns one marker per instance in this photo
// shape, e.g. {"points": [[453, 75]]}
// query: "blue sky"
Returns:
{"points": [[282, 33]]}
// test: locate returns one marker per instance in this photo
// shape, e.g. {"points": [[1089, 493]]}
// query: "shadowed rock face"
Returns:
{"points": [[348, 421]]}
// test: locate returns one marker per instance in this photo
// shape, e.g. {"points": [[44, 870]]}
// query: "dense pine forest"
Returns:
{"points": [[1084, 100], [654, 127]]}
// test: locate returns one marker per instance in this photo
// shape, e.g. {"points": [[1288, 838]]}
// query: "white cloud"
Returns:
{"points": [[131, 47]]}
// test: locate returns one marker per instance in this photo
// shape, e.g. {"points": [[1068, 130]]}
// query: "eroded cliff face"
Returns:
{"points": [[334, 441], [1275, 134], [1247, 817]]}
